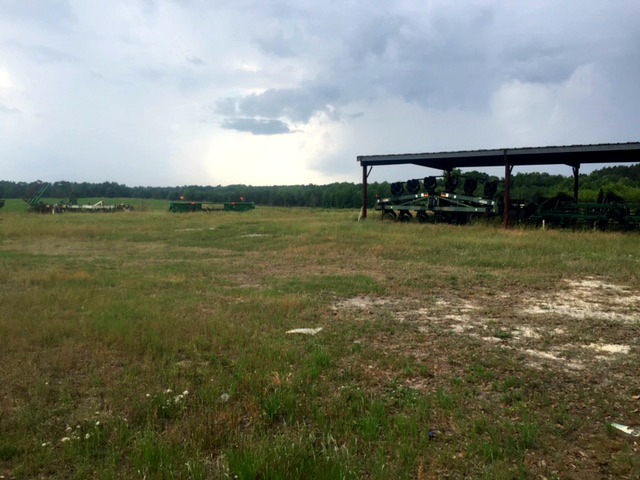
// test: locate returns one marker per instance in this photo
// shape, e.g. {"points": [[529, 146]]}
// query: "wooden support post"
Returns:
{"points": [[507, 189], [576, 170], [363, 214]]}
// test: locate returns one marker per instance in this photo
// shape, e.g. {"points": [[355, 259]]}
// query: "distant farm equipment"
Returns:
{"points": [[430, 203], [37, 205], [184, 207]]}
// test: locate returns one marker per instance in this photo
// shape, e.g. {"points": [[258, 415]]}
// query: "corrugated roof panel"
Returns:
{"points": [[550, 155]]}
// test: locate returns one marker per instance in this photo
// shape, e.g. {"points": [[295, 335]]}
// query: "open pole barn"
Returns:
{"points": [[572, 155]]}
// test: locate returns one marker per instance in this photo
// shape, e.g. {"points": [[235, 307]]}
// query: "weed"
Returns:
{"points": [[503, 335], [7, 452]]}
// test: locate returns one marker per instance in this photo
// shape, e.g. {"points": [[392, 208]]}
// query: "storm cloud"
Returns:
{"points": [[257, 126], [169, 92]]}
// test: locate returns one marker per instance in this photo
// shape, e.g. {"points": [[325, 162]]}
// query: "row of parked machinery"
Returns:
{"points": [[36, 204], [430, 201]]}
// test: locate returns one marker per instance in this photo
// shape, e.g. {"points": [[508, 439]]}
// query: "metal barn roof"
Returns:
{"points": [[572, 155]]}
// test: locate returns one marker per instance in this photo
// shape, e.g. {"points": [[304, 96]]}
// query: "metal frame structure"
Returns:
{"points": [[570, 155]]}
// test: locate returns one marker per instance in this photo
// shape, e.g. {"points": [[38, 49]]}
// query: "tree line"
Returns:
{"points": [[621, 180]]}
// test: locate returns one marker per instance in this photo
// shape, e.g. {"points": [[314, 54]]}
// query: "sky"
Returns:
{"points": [[279, 92]]}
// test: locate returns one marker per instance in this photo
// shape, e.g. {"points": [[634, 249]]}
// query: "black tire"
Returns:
{"points": [[404, 216], [490, 189], [430, 184], [413, 186], [470, 185], [451, 184], [396, 189], [388, 215]]}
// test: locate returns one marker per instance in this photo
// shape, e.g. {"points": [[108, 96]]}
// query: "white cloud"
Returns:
{"points": [[171, 92]]}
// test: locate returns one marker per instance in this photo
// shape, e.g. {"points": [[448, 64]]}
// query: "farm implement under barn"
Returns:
{"points": [[444, 207], [429, 202], [609, 213]]}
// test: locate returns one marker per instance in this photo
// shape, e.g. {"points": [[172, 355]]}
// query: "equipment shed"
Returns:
{"points": [[570, 155]]}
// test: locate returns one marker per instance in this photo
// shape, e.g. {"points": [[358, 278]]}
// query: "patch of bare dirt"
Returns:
{"points": [[576, 347], [586, 322], [589, 298], [362, 302]]}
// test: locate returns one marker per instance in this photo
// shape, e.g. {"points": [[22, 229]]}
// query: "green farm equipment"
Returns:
{"points": [[185, 206], [413, 198], [611, 213], [39, 189], [34, 199], [239, 206], [445, 207]]}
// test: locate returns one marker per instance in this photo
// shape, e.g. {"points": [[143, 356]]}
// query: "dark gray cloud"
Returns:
{"points": [[538, 63], [445, 56], [257, 126], [371, 38], [428, 59], [297, 105], [280, 43]]}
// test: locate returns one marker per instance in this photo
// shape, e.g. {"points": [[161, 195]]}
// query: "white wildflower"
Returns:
{"points": [[68, 429], [86, 437], [65, 439], [185, 393], [97, 423]]}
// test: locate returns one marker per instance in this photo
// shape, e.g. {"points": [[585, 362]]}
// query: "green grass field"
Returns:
{"points": [[153, 345]]}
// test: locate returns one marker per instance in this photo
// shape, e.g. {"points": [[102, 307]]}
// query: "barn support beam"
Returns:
{"points": [[507, 188], [365, 176]]}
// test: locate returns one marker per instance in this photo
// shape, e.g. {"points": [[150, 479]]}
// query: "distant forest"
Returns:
{"points": [[621, 180]]}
